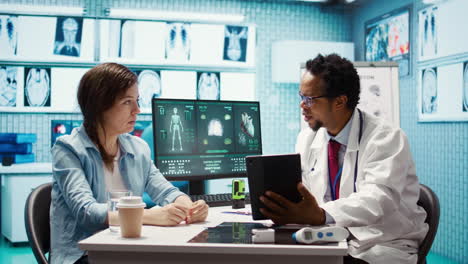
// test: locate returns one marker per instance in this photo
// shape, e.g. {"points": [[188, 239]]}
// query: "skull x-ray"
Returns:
{"points": [[37, 87], [68, 33], [208, 86], [149, 86], [428, 31], [235, 43], [8, 85], [465, 88], [429, 91], [178, 41], [127, 39], [8, 35]]}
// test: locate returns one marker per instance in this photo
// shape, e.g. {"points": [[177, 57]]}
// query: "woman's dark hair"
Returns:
{"points": [[97, 92], [338, 75]]}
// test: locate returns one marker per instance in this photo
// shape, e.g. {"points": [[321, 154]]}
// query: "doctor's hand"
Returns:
{"points": [[282, 211], [169, 215], [197, 212]]}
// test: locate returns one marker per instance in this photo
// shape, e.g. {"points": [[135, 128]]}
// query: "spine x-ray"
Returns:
{"points": [[8, 35], [235, 43], [68, 33], [8, 85], [37, 87]]}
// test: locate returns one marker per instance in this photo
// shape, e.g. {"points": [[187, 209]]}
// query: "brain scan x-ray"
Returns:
{"points": [[178, 41], [8, 35], [37, 87], [465, 88], [68, 33], [8, 85], [208, 86], [429, 91], [235, 43], [127, 39], [428, 31], [149, 86]]}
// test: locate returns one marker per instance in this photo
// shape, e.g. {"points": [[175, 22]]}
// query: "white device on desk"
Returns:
{"points": [[309, 235]]}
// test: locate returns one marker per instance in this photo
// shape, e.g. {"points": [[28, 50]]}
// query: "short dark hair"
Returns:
{"points": [[338, 76], [98, 90]]}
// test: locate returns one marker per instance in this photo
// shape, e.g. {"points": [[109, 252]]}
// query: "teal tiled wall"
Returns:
{"points": [[440, 149], [275, 20]]}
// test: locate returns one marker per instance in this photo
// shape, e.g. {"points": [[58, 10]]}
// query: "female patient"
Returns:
{"points": [[100, 156]]}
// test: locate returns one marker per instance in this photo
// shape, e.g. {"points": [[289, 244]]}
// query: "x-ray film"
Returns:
{"points": [[68, 34], [235, 43], [428, 32], [208, 86], [9, 79], [149, 86], [178, 41], [429, 91], [37, 87], [8, 35]]}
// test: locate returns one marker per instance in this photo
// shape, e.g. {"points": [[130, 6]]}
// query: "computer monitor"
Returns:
{"points": [[196, 140]]}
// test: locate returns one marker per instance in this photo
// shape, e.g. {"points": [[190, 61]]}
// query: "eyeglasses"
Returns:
{"points": [[309, 100]]}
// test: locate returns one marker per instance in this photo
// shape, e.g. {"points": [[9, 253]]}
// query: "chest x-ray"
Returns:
{"points": [[8, 35], [178, 41], [149, 86], [429, 91], [208, 86], [428, 31], [127, 39], [68, 33], [37, 87], [235, 43], [8, 85], [465, 88]]}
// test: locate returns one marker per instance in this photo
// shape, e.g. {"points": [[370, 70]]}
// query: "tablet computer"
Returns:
{"points": [[277, 173]]}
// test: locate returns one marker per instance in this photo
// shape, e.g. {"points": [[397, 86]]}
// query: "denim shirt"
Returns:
{"points": [[79, 199]]}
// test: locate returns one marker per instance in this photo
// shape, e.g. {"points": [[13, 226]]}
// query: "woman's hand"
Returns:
{"points": [[169, 215], [197, 212]]}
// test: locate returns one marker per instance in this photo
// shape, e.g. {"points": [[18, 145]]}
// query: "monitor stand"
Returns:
{"points": [[197, 187]]}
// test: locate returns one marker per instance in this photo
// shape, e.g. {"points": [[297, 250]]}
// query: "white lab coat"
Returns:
{"points": [[385, 223]]}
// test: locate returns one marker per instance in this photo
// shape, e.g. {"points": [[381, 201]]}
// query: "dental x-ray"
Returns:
{"points": [[68, 33], [8, 35]]}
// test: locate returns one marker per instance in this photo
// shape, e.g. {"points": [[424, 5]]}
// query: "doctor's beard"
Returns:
{"points": [[316, 126]]}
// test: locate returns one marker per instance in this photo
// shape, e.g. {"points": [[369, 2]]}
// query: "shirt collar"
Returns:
{"points": [[88, 143], [343, 136]]}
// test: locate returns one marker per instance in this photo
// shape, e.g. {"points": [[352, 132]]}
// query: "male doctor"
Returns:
{"points": [[357, 170]]}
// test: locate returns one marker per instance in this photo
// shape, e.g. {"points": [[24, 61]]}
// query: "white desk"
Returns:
{"points": [[169, 245], [18, 180]]}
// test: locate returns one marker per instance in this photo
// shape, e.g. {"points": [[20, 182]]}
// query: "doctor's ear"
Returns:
{"points": [[340, 102]]}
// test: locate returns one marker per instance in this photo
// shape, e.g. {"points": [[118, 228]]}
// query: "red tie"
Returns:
{"points": [[333, 165]]}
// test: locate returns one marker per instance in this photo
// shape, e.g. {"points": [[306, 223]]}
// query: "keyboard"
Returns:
{"points": [[219, 199]]}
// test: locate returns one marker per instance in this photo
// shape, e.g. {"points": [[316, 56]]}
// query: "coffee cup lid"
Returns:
{"points": [[131, 202]]}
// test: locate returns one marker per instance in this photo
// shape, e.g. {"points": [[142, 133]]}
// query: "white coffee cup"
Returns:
{"points": [[131, 215]]}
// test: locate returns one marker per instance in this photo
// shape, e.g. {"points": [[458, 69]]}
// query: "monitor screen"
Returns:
{"points": [[204, 139]]}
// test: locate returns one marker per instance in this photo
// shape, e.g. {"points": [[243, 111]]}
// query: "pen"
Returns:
{"points": [[313, 166]]}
